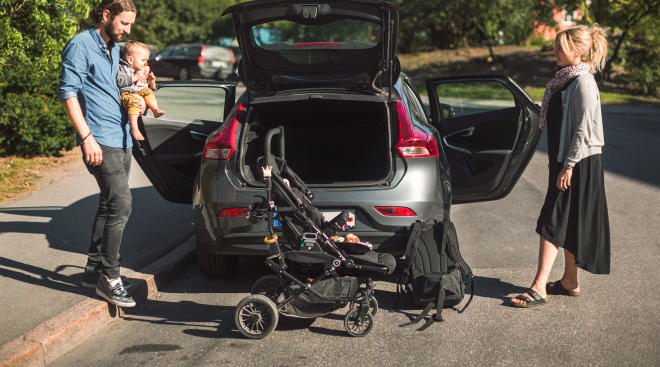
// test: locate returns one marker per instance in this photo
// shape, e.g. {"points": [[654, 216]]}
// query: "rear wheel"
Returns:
{"points": [[183, 74], [268, 285], [256, 316], [215, 266]]}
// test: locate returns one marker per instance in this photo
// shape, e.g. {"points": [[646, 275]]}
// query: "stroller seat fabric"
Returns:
{"points": [[376, 259]]}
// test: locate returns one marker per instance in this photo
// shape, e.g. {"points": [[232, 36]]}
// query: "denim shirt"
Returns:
{"points": [[90, 75]]}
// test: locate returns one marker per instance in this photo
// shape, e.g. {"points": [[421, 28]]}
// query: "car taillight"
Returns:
{"points": [[319, 44], [233, 57], [200, 59], [395, 211], [222, 146], [233, 212], [413, 143]]}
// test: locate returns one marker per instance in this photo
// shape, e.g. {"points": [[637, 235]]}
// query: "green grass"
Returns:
{"points": [[18, 175], [537, 95]]}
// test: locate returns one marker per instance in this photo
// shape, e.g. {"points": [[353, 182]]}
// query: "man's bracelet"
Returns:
{"points": [[87, 136]]}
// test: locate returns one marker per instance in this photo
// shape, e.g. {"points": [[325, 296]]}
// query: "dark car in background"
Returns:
{"points": [[193, 60], [355, 130]]}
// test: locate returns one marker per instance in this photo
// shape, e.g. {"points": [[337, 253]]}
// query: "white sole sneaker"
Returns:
{"points": [[114, 301]]}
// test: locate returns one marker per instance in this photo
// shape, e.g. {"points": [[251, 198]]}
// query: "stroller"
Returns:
{"points": [[314, 275]]}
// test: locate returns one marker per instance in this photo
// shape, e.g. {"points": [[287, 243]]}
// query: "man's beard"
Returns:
{"points": [[110, 31]]}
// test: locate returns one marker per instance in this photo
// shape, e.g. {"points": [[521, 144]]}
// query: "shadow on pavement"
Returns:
{"points": [[154, 228]]}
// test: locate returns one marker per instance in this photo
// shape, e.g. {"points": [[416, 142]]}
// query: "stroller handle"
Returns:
{"points": [[267, 143]]}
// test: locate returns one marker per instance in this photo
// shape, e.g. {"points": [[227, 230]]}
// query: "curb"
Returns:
{"points": [[57, 336]]}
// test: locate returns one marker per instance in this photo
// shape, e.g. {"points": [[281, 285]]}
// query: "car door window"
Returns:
{"points": [[416, 109], [190, 103], [468, 98]]}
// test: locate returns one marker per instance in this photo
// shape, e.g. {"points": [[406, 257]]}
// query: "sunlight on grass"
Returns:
{"points": [[18, 174], [605, 97]]}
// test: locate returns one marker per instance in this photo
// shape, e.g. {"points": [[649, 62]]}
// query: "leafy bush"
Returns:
{"points": [[33, 125], [642, 60], [32, 36]]}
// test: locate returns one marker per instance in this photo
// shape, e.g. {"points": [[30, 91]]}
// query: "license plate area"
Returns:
{"points": [[350, 222]]}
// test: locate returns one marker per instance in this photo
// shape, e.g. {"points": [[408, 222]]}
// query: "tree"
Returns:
{"points": [[166, 22], [32, 36]]}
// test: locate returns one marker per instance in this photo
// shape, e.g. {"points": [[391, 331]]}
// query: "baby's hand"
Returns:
{"points": [[152, 79]]}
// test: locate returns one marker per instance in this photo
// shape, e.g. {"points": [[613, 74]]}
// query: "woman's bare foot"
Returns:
{"points": [[563, 287], [536, 289], [158, 112]]}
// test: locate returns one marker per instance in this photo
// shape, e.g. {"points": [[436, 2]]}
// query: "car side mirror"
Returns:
{"points": [[446, 111]]}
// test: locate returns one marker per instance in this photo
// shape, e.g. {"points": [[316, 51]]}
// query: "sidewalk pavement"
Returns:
{"points": [[43, 245]]}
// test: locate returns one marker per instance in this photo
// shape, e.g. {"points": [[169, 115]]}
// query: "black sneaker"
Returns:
{"points": [[114, 292], [91, 277]]}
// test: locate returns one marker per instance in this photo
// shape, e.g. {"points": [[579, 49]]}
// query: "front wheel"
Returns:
{"points": [[256, 316], [356, 327]]}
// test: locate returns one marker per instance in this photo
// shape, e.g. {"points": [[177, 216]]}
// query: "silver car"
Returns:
{"points": [[357, 132]]}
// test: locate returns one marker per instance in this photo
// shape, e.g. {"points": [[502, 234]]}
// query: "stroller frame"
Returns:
{"points": [[257, 315]]}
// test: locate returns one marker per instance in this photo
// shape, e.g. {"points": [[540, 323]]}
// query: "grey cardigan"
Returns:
{"points": [[582, 121], [125, 78]]}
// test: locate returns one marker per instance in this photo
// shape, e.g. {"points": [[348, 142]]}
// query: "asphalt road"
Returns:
{"points": [[614, 322]]}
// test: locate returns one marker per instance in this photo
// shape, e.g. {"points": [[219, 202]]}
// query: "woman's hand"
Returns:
{"points": [[564, 178]]}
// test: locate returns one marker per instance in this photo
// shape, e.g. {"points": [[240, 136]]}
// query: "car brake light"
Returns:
{"points": [[233, 57], [200, 59], [222, 146], [413, 143], [233, 212], [319, 44], [398, 211]]}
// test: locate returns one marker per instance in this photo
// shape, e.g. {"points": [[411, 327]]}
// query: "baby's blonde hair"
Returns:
{"points": [[590, 41], [130, 47]]}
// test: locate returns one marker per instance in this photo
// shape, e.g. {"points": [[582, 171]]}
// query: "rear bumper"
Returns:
{"points": [[248, 244], [416, 186]]}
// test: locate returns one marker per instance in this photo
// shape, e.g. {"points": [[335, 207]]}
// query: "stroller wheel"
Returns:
{"points": [[256, 316], [373, 306], [268, 285], [353, 325]]}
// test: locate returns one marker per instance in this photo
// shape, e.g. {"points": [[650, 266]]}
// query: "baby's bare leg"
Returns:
{"points": [[135, 131], [150, 100]]}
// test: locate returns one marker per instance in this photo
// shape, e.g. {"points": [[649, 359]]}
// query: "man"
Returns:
{"points": [[88, 90]]}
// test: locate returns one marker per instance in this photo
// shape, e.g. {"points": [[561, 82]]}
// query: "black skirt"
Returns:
{"points": [[576, 219]]}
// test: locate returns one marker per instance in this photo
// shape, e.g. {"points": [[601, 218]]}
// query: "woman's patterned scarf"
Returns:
{"points": [[561, 77]]}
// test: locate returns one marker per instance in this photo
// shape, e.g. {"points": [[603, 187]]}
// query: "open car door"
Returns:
{"points": [[170, 155], [489, 130]]}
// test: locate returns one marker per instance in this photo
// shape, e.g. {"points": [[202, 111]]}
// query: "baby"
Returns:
{"points": [[136, 82]]}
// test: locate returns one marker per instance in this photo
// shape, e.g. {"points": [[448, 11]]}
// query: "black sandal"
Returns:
{"points": [[535, 300], [558, 289]]}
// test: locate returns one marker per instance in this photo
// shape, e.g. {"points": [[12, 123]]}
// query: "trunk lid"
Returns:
{"points": [[309, 44]]}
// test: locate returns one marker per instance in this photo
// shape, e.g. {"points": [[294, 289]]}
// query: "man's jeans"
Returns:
{"points": [[113, 212]]}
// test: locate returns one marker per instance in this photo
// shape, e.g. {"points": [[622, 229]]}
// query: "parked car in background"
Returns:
{"points": [[194, 60], [355, 130]]}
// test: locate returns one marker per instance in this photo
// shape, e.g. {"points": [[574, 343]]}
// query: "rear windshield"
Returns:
{"points": [[343, 34]]}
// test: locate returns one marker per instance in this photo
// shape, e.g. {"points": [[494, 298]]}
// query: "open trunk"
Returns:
{"points": [[327, 142]]}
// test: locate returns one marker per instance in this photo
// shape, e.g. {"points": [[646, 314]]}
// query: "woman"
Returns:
{"points": [[574, 214]]}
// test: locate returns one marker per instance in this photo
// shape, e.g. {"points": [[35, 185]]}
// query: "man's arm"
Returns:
{"points": [[74, 71], [91, 149]]}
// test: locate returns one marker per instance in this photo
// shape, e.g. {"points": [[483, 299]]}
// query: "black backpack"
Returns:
{"points": [[434, 273]]}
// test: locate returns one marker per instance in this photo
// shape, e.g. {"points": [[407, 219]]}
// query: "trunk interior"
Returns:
{"points": [[327, 142]]}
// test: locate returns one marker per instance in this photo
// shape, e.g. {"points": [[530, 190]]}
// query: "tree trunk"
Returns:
{"points": [[615, 54], [483, 32]]}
